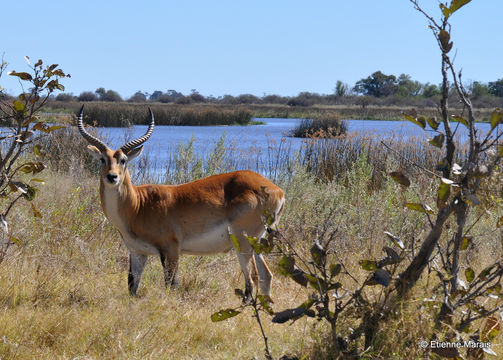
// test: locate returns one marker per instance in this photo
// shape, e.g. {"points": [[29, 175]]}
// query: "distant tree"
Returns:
{"points": [[111, 95], [407, 87], [478, 89], [228, 99], [87, 96], [138, 97], [377, 84], [247, 99], [155, 95], [430, 90], [184, 100], [274, 99], [100, 92], [173, 94], [165, 98], [341, 89], [496, 88], [305, 98], [196, 96], [65, 97]]}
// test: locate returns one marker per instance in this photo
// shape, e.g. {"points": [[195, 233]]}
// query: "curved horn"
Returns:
{"points": [[91, 139], [135, 143]]}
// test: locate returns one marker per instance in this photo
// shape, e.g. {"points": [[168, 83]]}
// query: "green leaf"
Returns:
{"points": [[15, 240], [456, 4], [491, 329], [444, 190], [30, 120], [239, 293], [55, 127], [30, 193], [37, 150], [42, 182], [224, 315], [418, 121], [17, 186], [266, 301], [496, 289], [299, 276], [263, 245], [495, 118], [396, 240], [470, 274], [444, 37], [288, 314], [45, 128], [235, 241], [19, 106], [391, 258], [21, 75], [286, 265], [50, 68], [432, 121], [500, 150], [460, 119], [445, 11], [381, 277], [419, 207], [31, 167], [317, 283], [484, 273], [335, 269], [437, 141], [465, 243], [400, 178], [368, 265]]}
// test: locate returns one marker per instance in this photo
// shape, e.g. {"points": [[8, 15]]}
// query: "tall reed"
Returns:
{"points": [[124, 114], [321, 126]]}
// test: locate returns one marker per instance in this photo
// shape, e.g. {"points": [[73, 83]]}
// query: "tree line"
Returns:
{"points": [[376, 89]]}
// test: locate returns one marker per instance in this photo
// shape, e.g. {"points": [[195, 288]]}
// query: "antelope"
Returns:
{"points": [[193, 218]]}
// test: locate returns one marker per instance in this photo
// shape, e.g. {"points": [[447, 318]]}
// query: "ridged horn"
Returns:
{"points": [[91, 139], [135, 143]]}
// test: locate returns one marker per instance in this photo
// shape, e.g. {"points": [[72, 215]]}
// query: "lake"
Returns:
{"points": [[255, 145]]}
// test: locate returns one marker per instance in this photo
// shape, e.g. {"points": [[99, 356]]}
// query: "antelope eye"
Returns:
{"points": [[123, 161]]}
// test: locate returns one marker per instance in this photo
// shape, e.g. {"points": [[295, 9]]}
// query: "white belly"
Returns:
{"points": [[212, 241], [137, 245]]}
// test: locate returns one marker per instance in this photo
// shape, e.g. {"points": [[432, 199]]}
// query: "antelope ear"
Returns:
{"points": [[134, 153], [94, 151]]}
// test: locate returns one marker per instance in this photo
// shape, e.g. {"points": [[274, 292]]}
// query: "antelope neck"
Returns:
{"points": [[121, 200]]}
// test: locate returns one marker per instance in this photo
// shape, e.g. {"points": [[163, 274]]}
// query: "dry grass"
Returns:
{"points": [[125, 114], [63, 289]]}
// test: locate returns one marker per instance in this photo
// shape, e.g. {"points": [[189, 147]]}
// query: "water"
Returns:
{"points": [[255, 138], [254, 147]]}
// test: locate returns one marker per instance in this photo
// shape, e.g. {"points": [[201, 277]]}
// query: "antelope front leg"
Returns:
{"points": [[136, 265]]}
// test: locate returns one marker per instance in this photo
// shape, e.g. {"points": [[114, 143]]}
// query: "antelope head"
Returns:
{"points": [[114, 162]]}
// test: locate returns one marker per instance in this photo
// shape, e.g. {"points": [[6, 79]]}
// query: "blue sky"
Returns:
{"points": [[236, 47]]}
